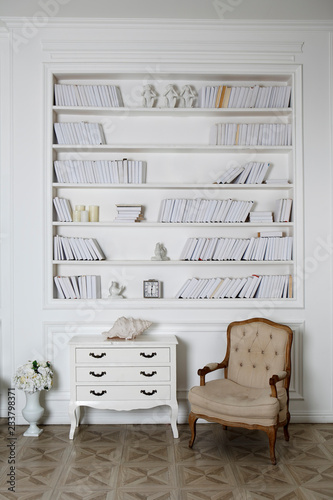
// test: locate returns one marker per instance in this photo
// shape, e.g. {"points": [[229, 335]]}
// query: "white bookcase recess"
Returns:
{"points": [[204, 164]]}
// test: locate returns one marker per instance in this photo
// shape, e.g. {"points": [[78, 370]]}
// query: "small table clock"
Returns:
{"points": [[152, 289]]}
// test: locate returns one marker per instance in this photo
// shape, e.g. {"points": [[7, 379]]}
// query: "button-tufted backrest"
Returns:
{"points": [[257, 351]]}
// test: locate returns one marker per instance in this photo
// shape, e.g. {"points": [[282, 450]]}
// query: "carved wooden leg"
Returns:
{"points": [[192, 420], [285, 428], [271, 432], [174, 414], [73, 419]]}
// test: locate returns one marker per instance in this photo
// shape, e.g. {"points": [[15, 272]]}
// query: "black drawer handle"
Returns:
{"points": [[148, 355], [148, 393], [97, 393], [93, 355], [148, 374], [97, 374]]}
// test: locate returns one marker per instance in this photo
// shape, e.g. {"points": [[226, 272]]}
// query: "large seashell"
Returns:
{"points": [[127, 328]]}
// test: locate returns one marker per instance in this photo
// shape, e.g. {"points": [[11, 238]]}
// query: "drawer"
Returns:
{"points": [[122, 392], [144, 355], [104, 373]]}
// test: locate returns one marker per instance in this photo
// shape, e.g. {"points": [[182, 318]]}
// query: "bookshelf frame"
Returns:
{"points": [[203, 73]]}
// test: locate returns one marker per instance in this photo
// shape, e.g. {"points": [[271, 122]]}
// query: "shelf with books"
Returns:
{"points": [[174, 143]]}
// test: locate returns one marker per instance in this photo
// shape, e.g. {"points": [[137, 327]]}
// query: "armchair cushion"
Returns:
{"points": [[226, 400]]}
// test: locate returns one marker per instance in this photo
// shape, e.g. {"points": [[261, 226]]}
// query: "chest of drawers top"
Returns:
{"points": [[99, 341]]}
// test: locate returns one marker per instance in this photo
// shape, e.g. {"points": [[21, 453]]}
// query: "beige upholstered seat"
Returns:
{"points": [[254, 392]]}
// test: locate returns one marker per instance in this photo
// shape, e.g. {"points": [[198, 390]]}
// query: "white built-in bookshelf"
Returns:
{"points": [[107, 155]]}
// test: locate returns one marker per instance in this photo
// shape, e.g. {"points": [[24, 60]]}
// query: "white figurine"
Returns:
{"points": [[187, 95], [171, 96], [149, 96], [160, 252], [115, 291]]}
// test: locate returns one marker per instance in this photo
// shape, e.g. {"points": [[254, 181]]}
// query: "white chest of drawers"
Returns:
{"points": [[122, 374]]}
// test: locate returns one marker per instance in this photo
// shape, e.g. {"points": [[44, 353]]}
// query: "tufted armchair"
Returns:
{"points": [[254, 392]]}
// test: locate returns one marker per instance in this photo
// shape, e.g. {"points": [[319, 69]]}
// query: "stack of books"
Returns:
{"points": [[223, 96], [77, 249], [268, 286], [251, 134], [129, 213], [250, 173], [219, 249], [88, 95], [79, 133], [282, 210], [201, 210], [100, 171], [78, 287], [63, 209], [261, 216]]}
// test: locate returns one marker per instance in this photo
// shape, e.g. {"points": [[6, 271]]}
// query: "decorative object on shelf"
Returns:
{"points": [[32, 378], [84, 216], [77, 216], [187, 95], [93, 213], [149, 96], [160, 252], [116, 291], [127, 328], [152, 289], [171, 96]]}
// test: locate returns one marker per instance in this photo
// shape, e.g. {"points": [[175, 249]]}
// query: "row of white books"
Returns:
{"points": [[224, 96], [78, 287], [258, 249], [201, 210], [282, 212], [88, 95], [67, 248], [82, 133], [129, 213], [266, 286], [63, 209], [100, 171], [251, 134], [250, 173]]}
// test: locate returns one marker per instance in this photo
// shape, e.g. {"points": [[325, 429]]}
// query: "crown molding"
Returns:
{"points": [[173, 24]]}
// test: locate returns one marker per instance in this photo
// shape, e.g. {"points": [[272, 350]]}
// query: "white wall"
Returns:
{"points": [[29, 328]]}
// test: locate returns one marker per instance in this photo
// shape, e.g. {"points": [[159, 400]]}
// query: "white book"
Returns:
{"points": [[245, 288], [253, 287], [248, 252], [203, 249], [68, 285], [68, 253], [76, 253], [190, 287], [278, 210], [75, 286], [210, 288], [199, 246], [82, 283], [183, 288], [185, 250], [214, 293], [61, 294]]}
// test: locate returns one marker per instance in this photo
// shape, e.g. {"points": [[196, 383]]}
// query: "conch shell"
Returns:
{"points": [[127, 328]]}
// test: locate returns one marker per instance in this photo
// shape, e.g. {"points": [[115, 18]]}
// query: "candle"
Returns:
{"points": [[80, 207], [77, 216], [93, 213], [84, 216]]}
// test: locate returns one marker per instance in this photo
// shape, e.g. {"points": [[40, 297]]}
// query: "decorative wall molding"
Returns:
{"points": [[159, 24]]}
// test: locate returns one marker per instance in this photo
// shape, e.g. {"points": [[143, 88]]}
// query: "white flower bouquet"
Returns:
{"points": [[34, 376]]}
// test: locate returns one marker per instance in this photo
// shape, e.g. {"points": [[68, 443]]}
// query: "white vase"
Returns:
{"points": [[32, 412]]}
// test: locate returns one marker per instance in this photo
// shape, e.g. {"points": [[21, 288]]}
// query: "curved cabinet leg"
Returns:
{"points": [[174, 415], [192, 420], [74, 416]]}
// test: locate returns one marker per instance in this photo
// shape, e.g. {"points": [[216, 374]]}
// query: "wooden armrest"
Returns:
{"points": [[210, 367], [275, 379]]}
